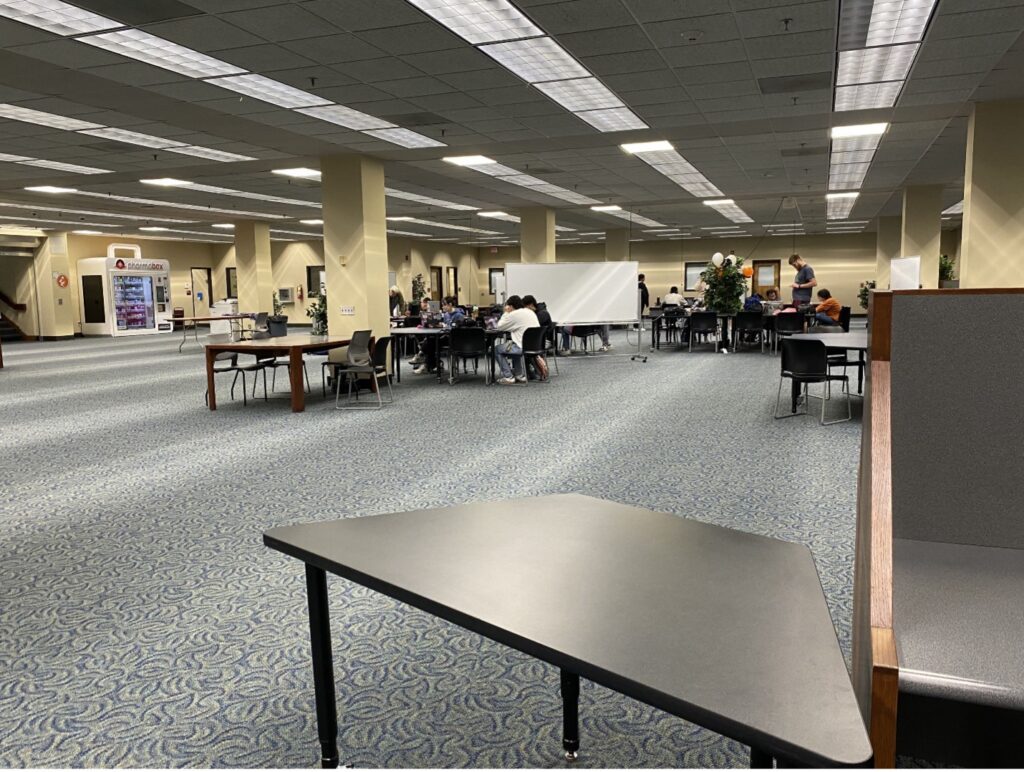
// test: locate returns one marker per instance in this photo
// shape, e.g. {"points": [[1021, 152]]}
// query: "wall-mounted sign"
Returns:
{"points": [[62, 280]]}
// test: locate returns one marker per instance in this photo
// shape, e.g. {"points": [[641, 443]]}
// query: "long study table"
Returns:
{"points": [[719, 627]]}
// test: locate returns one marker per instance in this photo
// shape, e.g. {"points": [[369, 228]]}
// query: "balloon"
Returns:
{"points": [[717, 259], [747, 272]]}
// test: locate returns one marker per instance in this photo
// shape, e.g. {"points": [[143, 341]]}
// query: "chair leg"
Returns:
{"points": [[233, 382], [264, 384], [245, 401]]}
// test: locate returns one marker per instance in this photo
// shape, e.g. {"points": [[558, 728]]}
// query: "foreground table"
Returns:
{"points": [[292, 346], [722, 628], [850, 341]]}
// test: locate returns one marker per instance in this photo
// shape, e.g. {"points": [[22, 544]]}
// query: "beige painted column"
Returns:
{"points": [[537, 234], [922, 229], [252, 262], [993, 229], [56, 314], [887, 246], [616, 244], [355, 244]]}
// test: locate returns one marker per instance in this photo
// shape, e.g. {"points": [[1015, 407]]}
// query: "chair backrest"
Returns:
{"points": [[468, 340], [703, 321], [411, 321], [748, 320], [359, 347], [259, 322], [533, 339], [277, 329], [804, 357], [844, 318], [789, 323], [222, 356], [380, 351]]}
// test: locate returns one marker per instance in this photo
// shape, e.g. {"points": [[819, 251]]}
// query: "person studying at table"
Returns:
{"points": [[673, 298], [827, 311], [516, 320], [451, 314]]}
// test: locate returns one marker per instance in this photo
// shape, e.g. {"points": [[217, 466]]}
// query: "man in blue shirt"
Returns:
{"points": [[804, 282], [450, 316]]}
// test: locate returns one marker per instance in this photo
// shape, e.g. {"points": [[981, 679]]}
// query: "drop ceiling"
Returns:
{"points": [[742, 89]]}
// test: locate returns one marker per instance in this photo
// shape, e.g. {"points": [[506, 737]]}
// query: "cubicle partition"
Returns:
{"points": [[939, 563]]}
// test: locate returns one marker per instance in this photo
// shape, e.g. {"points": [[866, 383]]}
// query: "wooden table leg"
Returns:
{"points": [[210, 382], [295, 374]]}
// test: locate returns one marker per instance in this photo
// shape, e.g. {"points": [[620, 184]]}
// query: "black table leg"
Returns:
{"points": [[759, 759], [860, 372], [396, 358], [570, 688], [323, 666]]}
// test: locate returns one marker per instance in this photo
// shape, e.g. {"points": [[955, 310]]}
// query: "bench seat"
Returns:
{"points": [[958, 619]]}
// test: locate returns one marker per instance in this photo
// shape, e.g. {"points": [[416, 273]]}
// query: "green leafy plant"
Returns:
{"points": [[277, 305], [946, 267], [317, 312], [865, 293], [725, 285], [419, 288]]}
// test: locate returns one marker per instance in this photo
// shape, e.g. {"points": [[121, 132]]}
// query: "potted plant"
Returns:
{"points": [[946, 269], [277, 323], [724, 284], [317, 312], [419, 289], [865, 293]]}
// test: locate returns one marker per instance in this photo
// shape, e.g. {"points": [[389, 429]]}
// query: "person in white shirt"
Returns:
{"points": [[673, 298], [516, 320]]}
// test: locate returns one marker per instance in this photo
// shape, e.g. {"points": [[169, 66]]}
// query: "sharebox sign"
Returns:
{"points": [[139, 265]]}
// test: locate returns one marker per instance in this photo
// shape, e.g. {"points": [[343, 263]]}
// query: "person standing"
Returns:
{"points": [[804, 281], [645, 295]]}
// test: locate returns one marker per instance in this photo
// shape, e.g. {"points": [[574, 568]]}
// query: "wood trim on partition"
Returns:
{"points": [[885, 687], [881, 495], [880, 326], [963, 291]]}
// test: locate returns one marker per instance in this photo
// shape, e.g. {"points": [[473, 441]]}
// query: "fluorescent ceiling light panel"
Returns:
{"points": [[867, 97], [79, 223], [136, 44], [39, 118], [63, 167], [154, 228], [296, 233], [219, 191], [607, 208], [663, 158], [647, 147], [444, 225], [871, 65], [499, 216], [300, 171], [310, 222], [507, 174], [636, 219], [727, 208], [430, 200], [55, 16], [14, 159], [405, 138], [345, 116], [166, 182], [536, 60], [228, 226], [617, 119], [957, 208], [88, 233], [209, 153], [407, 233], [859, 130], [50, 189], [91, 212], [176, 205], [480, 21], [468, 160], [898, 21], [839, 205], [133, 138], [269, 90], [580, 94]]}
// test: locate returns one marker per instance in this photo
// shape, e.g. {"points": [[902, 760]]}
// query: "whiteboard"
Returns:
{"points": [[905, 273], [580, 293]]}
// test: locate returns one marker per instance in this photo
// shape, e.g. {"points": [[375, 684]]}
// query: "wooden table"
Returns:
{"points": [[195, 325], [719, 627], [292, 346]]}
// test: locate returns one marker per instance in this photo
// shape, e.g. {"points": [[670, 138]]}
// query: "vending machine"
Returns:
{"points": [[125, 295]]}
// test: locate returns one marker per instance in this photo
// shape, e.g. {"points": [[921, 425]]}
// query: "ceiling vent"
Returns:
{"points": [[140, 12], [800, 152], [794, 84]]}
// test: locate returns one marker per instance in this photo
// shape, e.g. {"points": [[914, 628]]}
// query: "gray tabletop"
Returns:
{"points": [[418, 330], [726, 629], [854, 341]]}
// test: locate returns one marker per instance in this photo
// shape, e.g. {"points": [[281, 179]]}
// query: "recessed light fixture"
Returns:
{"points": [[430, 200], [88, 233], [57, 17], [405, 138], [209, 153], [228, 226], [728, 208], [269, 90], [300, 171], [607, 208], [312, 222], [136, 44], [480, 21], [50, 189], [39, 118], [647, 147], [133, 138], [859, 130], [166, 182], [468, 160], [153, 228]]}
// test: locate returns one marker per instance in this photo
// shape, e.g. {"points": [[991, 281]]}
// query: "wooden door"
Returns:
{"points": [[436, 282], [451, 284], [201, 286], [766, 276]]}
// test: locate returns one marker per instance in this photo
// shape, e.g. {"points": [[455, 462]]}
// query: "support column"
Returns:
{"points": [[355, 244], [56, 316], [887, 246], [922, 229], [616, 244], [252, 263], [537, 234], [993, 229]]}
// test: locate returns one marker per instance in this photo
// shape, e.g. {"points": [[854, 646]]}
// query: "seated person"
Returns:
{"points": [[451, 314], [827, 311], [516, 320], [541, 309], [772, 295], [673, 298]]}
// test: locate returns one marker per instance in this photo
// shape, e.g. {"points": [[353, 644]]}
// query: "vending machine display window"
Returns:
{"points": [[133, 302]]}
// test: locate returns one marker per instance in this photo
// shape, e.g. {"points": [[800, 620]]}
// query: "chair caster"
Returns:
{"points": [[572, 756]]}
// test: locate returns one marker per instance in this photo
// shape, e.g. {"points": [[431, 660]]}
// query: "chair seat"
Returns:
{"points": [[958, 621], [808, 378]]}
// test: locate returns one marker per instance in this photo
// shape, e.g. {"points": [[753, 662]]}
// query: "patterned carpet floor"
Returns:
{"points": [[145, 625]]}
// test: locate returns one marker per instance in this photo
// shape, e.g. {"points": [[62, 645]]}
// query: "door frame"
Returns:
{"points": [[755, 264], [436, 282], [209, 286]]}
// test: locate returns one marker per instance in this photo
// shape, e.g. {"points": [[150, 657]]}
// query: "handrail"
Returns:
{"points": [[7, 301]]}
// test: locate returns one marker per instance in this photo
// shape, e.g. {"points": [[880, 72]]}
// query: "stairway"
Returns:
{"points": [[8, 332]]}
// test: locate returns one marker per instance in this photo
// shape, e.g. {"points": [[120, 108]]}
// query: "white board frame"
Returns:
{"points": [[905, 273], [518, 282]]}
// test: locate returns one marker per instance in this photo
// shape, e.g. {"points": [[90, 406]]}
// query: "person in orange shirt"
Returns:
{"points": [[827, 311]]}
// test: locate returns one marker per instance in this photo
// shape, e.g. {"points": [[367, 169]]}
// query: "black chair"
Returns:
{"points": [[583, 332], [786, 325], [669, 323], [748, 322], [805, 362], [234, 367], [533, 347], [703, 323], [844, 318], [375, 367], [259, 327], [337, 359], [549, 344], [468, 343]]}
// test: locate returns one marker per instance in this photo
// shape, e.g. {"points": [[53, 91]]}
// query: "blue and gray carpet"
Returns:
{"points": [[143, 623]]}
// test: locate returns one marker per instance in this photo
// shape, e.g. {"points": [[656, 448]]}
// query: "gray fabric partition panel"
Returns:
{"points": [[958, 418]]}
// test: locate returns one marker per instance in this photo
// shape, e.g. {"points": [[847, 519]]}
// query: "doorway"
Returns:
{"points": [[202, 281], [451, 284], [766, 276], [436, 282]]}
